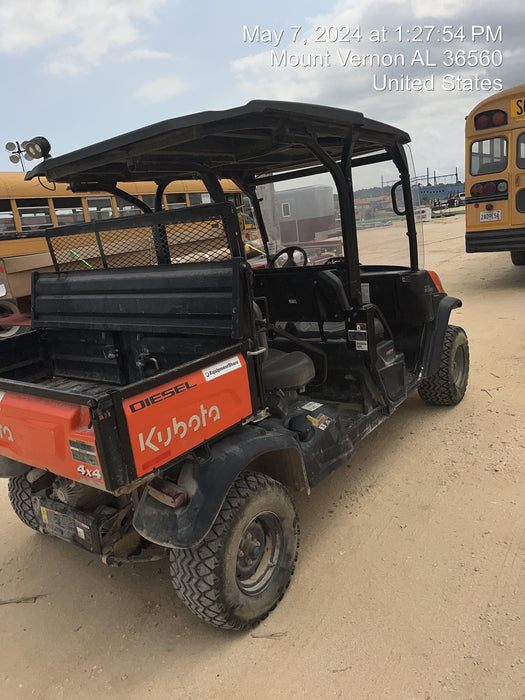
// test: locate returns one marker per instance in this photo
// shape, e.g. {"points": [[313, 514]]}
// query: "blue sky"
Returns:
{"points": [[81, 72]]}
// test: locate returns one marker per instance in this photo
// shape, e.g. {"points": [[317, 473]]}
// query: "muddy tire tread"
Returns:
{"points": [[438, 389], [19, 491], [193, 570]]}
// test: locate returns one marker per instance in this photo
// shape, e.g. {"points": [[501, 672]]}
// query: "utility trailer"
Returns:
{"points": [[169, 397]]}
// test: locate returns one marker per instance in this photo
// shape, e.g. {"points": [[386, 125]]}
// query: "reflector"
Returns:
{"points": [[167, 492]]}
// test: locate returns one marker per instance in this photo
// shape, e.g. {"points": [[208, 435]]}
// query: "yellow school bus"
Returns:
{"points": [[495, 175], [27, 208]]}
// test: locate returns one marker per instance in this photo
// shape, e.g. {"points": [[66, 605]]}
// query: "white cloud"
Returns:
{"points": [[79, 34], [145, 55], [162, 89], [312, 71]]}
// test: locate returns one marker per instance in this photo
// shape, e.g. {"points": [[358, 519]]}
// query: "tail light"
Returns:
{"points": [[167, 492], [487, 189], [490, 119]]}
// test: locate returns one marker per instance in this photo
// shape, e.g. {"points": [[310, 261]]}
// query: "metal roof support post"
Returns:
{"points": [[113, 189], [159, 194], [343, 183], [254, 200], [399, 157], [213, 185], [260, 221]]}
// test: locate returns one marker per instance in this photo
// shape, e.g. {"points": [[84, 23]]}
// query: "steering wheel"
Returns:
{"points": [[334, 259], [289, 253]]}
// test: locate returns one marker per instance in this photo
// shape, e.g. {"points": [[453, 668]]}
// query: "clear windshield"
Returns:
{"points": [[381, 232], [305, 212]]}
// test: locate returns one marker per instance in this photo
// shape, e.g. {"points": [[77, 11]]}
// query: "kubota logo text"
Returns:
{"points": [[6, 434], [162, 437]]}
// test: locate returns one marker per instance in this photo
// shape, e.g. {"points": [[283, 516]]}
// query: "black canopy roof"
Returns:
{"points": [[259, 138]]}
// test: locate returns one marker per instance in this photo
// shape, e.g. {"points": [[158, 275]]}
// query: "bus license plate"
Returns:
{"points": [[494, 215]]}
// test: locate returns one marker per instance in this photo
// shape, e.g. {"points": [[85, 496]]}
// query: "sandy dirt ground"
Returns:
{"points": [[410, 581]]}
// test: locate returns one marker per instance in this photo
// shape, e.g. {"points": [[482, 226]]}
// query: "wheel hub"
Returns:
{"points": [[459, 366], [260, 549]]}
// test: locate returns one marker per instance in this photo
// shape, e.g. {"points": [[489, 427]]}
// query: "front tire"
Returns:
{"points": [[448, 385], [239, 572], [19, 490]]}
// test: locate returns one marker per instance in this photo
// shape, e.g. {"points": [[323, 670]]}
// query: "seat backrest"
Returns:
{"points": [[302, 294]]}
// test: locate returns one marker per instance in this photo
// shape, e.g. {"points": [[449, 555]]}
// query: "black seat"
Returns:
{"points": [[282, 370], [287, 370]]}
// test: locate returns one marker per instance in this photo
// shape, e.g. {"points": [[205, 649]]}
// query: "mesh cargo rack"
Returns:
{"points": [[204, 233]]}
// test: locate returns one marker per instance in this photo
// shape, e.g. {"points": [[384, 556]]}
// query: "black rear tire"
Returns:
{"points": [[448, 385], [19, 490], [518, 257], [239, 572]]}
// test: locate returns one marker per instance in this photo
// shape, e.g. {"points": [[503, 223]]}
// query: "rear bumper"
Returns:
{"points": [[495, 240]]}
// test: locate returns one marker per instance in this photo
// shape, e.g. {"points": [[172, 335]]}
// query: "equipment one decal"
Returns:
{"points": [[221, 368]]}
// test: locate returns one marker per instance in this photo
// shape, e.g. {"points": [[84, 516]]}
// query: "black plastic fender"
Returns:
{"points": [[435, 338], [207, 485], [9, 467]]}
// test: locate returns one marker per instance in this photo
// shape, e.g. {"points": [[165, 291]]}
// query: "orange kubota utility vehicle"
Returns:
{"points": [[169, 394]]}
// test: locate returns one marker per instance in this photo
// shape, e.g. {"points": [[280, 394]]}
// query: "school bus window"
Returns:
{"points": [[520, 155], [197, 198], [68, 210], [7, 220], [176, 200], [99, 208], [126, 208], [149, 199], [34, 214], [488, 156]]}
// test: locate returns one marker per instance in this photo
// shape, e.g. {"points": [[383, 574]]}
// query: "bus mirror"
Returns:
{"points": [[398, 200]]}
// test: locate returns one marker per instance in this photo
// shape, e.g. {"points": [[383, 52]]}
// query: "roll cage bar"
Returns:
{"points": [[261, 142]]}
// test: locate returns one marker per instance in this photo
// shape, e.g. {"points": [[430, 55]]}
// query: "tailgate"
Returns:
{"points": [[126, 433], [49, 434]]}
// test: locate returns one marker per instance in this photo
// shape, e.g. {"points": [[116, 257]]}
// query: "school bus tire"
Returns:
{"points": [[239, 572], [447, 386], [517, 257], [19, 490]]}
